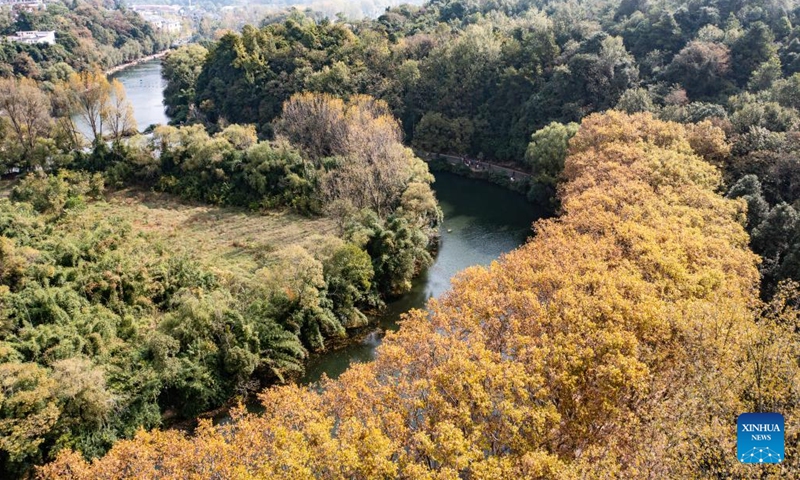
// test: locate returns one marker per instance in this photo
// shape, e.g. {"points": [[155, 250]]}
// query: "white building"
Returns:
{"points": [[161, 23], [27, 5], [172, 26], [155, 9], [34, 37]]}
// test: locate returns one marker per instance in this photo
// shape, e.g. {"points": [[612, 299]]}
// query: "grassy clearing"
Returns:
{"points": [[222, 238]]}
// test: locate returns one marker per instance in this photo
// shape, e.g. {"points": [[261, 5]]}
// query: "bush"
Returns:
{"points": [[52, 194]]}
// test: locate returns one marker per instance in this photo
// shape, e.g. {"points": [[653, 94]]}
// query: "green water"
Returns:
{"points": [[144, 88], [481, 222]]}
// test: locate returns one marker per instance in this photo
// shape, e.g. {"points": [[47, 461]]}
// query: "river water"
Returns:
{"points": [[481, 222], [145, 89]]}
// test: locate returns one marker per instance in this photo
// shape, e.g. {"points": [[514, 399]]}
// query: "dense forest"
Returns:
{"points": [[620, 342], [106, 327], [504, 80], [555, 362], [88, 33]]}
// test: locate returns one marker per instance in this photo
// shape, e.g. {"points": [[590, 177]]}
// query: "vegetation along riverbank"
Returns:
{"points": [[145, 279], [123, 66], [649, 308], [88, 35], [133, 302]]}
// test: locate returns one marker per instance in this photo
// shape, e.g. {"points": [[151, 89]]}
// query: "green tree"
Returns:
{"points": [[765, 75], [398, 250], [180, 68], [751, 50], [773, 238], [439, 134], [295, 281], [53, 193], [749, 188], [348, 274], [545, 157], [636, 100]]}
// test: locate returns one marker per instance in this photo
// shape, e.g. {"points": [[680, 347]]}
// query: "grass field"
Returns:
{"points": [[228, 238]]}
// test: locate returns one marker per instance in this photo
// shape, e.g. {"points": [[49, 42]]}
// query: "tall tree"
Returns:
{"points": [[91, 93], [553, 362], [370, 166], [752, 50], [180, 69], [546, 155], [117, 113], [702, 69], [26, 110]]}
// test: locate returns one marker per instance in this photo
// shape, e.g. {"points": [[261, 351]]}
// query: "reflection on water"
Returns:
{"points": [[481, 222], [145, 90]]}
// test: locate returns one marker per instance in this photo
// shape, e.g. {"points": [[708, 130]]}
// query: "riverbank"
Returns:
{"points": [[474, 232], [506, 177], [474, 164], [482, 221], [123, 66]]}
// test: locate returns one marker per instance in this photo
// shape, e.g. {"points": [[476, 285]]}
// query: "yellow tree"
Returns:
{"points": [[373, 168], [314, 123], [66, 130], [117, 112], [28, 410], [90, 92], [631, 316]]}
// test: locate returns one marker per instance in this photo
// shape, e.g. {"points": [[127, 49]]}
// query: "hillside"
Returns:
{"points": [[88, 33], [509, 81], [147, 278], [554, 362], [212, 270]]}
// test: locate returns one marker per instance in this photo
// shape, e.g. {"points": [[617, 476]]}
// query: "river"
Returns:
{"points": [[145, 90], [481, 222]]}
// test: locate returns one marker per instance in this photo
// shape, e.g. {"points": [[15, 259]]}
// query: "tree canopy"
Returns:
{"points": [[88, 33], [658, 304], [106, 328], [553, 362]]}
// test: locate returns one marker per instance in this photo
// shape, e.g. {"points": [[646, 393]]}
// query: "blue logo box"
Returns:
{"points": [[760, 438]]}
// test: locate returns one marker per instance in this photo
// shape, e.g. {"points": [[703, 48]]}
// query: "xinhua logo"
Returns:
{"points": [[760, 438]]}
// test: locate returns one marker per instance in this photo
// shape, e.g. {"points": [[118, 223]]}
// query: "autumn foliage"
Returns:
{"points": [[621, 342]]}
